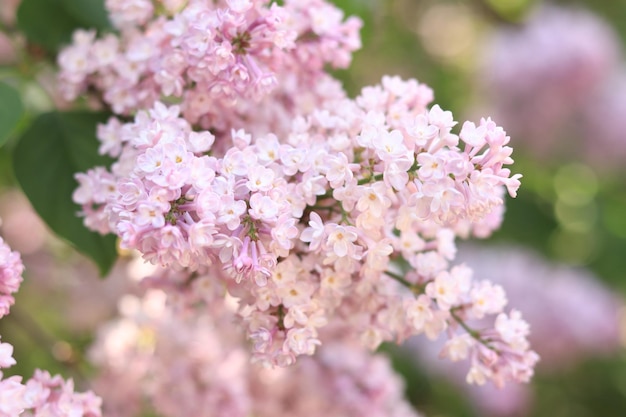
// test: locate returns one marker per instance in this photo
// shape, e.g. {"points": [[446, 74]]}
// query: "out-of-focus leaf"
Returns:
{"points": [[50, 23], [51, 151], [46, 23], [89, 12], [10, 110]]}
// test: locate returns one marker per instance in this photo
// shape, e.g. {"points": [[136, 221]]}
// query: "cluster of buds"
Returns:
{"points": [[334, 216]]}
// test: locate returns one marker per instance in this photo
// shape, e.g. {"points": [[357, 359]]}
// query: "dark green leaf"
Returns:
{"points": [[88, 12], [10, 110], [50, 23], [46, 23], [51, 151]]}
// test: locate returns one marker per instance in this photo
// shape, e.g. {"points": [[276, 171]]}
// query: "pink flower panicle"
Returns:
{"points": [[213, 56], [11, 269], [313, 210], [241, 213]]}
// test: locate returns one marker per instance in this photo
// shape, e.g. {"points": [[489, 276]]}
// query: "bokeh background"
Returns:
{"points": [[552, 73]]}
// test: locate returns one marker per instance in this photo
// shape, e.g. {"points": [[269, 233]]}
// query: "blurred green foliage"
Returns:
{"points": [[10, 110], [34, 18]]}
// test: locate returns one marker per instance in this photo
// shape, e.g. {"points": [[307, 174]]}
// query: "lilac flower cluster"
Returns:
{"points": [[153, 344], [218, 58], [320, 214]]}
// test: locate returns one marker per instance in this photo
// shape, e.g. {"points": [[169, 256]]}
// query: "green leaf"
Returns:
{"points": [[50, 23], [46, 23], [11, 110], [89, 12], [51, 151]]}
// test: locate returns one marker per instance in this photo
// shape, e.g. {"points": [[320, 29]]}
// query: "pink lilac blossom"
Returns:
{"points": [[155, 342], [239, 216], [220, 59], [42, 394], [11, 268], [551, 297], [314, 211], [541, 76]]}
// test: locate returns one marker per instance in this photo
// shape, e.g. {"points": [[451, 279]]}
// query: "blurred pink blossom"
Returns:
{"points": [[8, 10], [604, 122], [188, 362], [553, 81]]}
